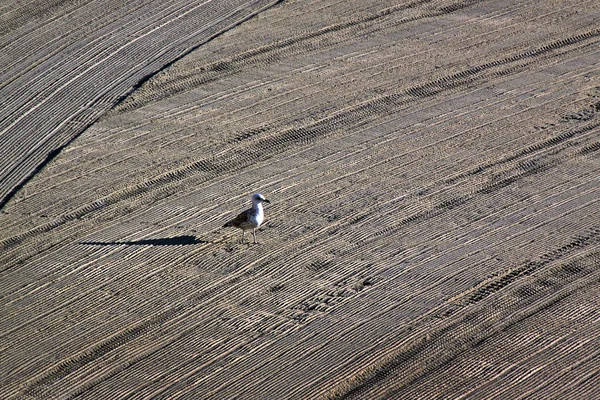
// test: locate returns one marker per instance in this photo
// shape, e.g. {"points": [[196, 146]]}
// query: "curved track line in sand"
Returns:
{"points": [[43, 117], [408, 230]]}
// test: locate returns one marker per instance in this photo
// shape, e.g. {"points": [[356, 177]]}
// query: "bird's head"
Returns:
{"points": [[258, 198]]}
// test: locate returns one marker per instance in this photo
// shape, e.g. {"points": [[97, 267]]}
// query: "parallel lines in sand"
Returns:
{"points": [[496, 283], [489, 218], [558, 276], [336, 393], [522, 171], [583, 381], [234, 116], [293, 135], [479, 328], [222, 66], [412, 219], [13, 15], [470, 173], [96, 47], [310, 195], [370, 67], [578, 344], [76, 72], [119, 338], [269, 53], [86, 75], [400, 277], [300, 358], [79, 367]]}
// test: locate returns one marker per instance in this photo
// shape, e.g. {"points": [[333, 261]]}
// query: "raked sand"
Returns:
{"points": [[434, 231]]}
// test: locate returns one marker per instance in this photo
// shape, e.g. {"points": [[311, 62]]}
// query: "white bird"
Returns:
{"points": [[251, 218]]}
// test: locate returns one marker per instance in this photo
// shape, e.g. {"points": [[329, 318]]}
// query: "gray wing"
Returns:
{"points": [[237, 221]]}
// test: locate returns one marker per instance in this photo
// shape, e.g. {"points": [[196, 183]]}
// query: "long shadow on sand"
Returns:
{"points": [[170, 241]]}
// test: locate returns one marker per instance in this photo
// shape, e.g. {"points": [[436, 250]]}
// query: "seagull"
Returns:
{"points": [[251, 218]]}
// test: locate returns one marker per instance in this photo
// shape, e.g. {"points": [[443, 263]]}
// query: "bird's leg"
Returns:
{"points": [[254, 235], [243, 235]]}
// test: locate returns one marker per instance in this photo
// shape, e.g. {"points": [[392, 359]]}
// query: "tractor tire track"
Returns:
{"points": [[50, 122], [413, 209], [308, 134]]}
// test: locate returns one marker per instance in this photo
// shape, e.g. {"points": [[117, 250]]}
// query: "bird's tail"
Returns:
{"points": [[227, 225]]}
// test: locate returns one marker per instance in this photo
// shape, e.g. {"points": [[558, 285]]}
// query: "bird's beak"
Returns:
{"points": [[267, 201]]}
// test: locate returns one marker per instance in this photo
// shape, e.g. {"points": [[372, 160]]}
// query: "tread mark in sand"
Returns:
{"points": [[591, 237], [279, 142], [380, 369], [269, 52]]}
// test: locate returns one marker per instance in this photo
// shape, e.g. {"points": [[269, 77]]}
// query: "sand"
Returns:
{"points": [[433, 171]]}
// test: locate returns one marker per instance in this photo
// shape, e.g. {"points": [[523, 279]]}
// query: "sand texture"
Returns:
{"points": [[434, 175]]}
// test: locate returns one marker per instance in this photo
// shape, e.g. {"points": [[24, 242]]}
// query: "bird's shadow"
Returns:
{"points": [[169, 241]]}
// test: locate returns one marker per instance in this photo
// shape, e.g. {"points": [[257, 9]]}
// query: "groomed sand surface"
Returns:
{"points": [[434, 173]]}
